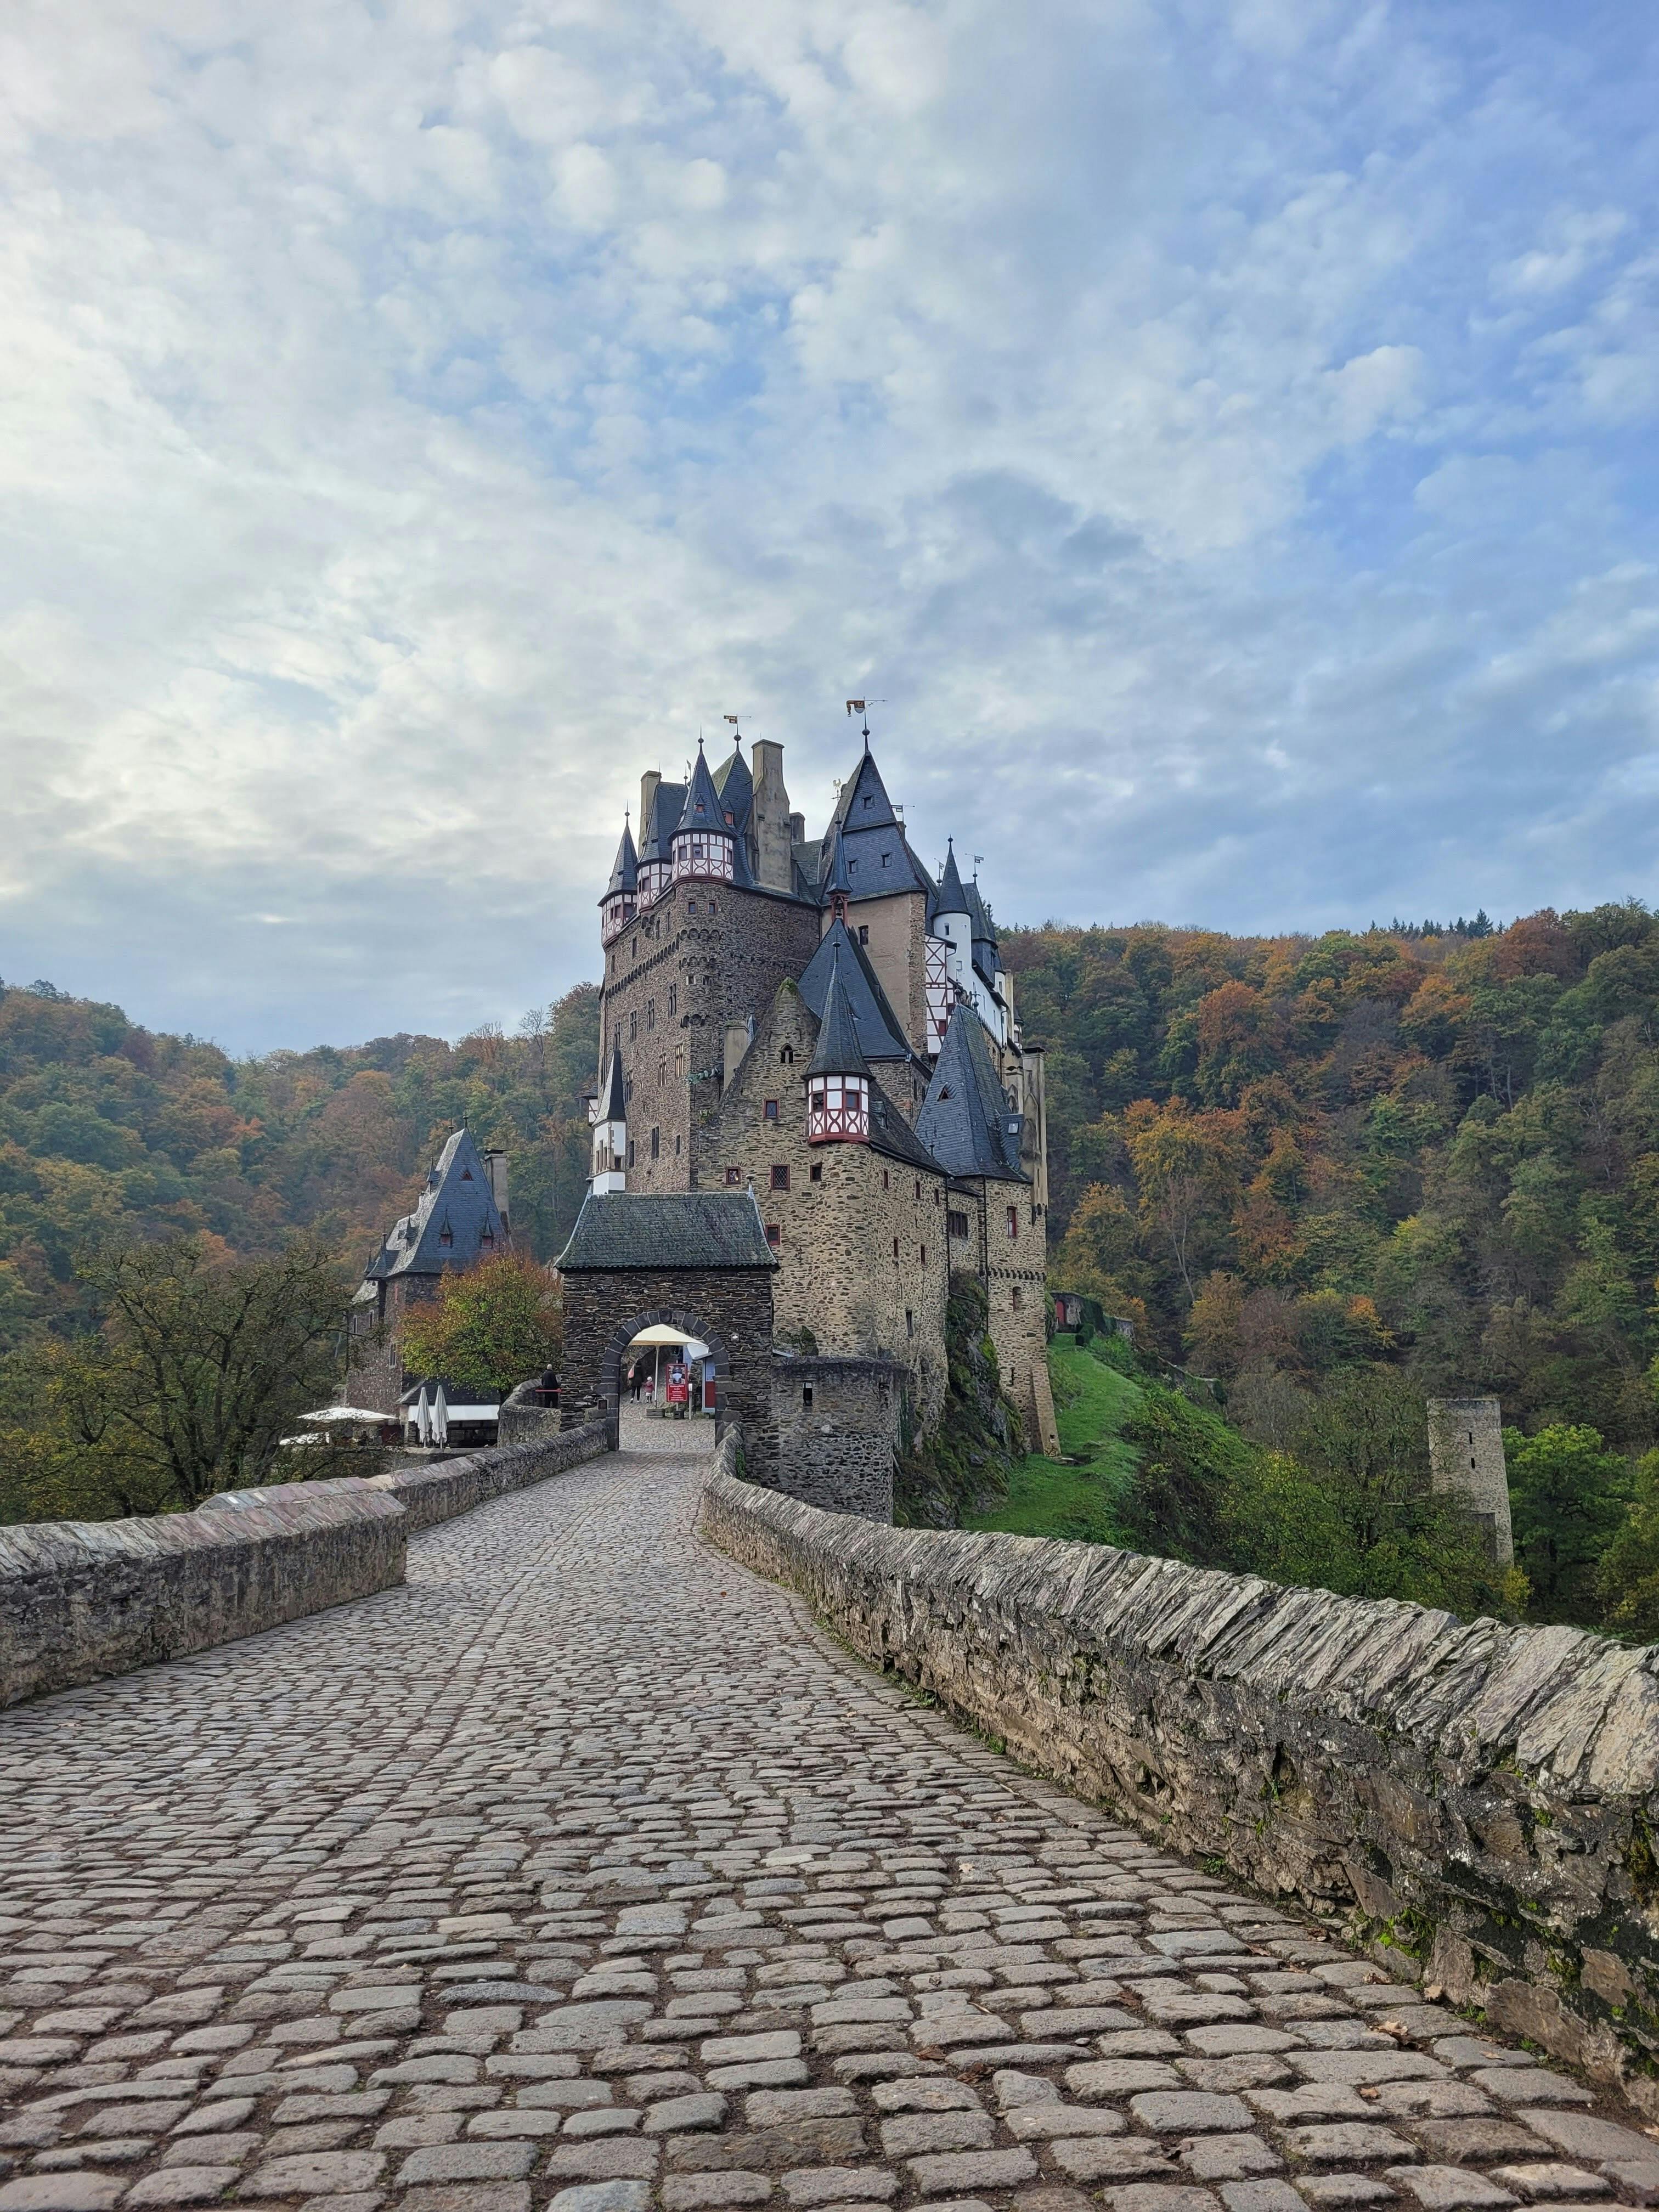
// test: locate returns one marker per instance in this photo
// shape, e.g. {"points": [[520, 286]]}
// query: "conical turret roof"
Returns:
{"points": [[666, 807], [704, 810], [965, 1121], [837, 879], [952, 899], [625, 874], [736, 787], [879, 1033], [838, 1052], [864, 802]]}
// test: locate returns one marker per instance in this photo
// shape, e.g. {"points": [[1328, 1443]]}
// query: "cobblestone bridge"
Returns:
{"points": [[585, 1870]]}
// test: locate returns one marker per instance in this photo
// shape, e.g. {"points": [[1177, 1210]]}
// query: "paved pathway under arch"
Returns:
{"points": [[585, 1863]]}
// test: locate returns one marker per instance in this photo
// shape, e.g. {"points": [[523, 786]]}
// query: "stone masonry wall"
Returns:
{"points": [[837, 1451], [1481, 1800], [81, 1599], [838, 1274], [673, 980], [730, 1308]]}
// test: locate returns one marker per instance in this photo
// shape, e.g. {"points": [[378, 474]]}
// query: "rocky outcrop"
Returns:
{"points": [[1480, 1801]]}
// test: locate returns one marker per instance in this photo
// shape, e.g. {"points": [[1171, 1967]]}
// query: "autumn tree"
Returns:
{"points": [[490, 1327]]}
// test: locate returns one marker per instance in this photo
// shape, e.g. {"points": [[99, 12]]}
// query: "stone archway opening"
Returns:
{"points": [[686, 1371]]}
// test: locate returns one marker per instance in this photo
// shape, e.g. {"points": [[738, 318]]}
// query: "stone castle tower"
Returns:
{"points": [[741, 956], [1466, 1458]]}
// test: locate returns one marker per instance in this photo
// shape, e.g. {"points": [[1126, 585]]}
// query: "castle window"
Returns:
{"points": [[909, 1322], [869, 799], [486, 1235], [773, 1235], [918, 1190], [650, 1013], [818, 1170], [677, 1148], [633, 1024], [673, 997], [679, 1060], [895, 1248], [630, 1151], [445, 1235], [864, 932], [656, 1143], [771, 1110], [690, 905], [711, 906], [944, 1094], [779, 1178], [1013, 1224], [807, 1398], [887, 1184], [662, 1069], [1016, 1297], [924, 1255], [886, 859], [633, 949], [733, 1177], [787, 1057], [956, 1225]]}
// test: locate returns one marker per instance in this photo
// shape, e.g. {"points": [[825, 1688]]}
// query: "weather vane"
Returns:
{"points": [[862, 707]]}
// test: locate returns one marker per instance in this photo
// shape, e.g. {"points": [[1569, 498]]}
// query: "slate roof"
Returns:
{"points": [[736, 787], [704, 810], [890, 1133], [625, 874], [965, 1121], [871, 840], [952, 899], [613, 1107], [879, 1033], [666, 807], [456, 1199], [670, 1229], [838, 1052]]}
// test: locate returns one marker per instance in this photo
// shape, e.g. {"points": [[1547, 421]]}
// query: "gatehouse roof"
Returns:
{"points": [[650, 1230]]}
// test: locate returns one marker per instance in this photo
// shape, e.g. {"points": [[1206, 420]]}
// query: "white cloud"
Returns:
{"points": [[417, 421]]}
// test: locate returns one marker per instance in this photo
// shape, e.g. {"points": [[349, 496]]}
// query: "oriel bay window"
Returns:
{"points": [[838, 1108]]}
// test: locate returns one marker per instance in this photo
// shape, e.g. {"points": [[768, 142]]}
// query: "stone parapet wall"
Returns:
{"points": [[1480, 1801], [80, 1599], [430, 1494]]}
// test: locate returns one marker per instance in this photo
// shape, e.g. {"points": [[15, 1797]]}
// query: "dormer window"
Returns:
{"points": [[445, 1235], [486, 1235]]}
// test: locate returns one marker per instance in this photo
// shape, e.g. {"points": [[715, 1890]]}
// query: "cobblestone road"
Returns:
{"points": [[584, 1869]]}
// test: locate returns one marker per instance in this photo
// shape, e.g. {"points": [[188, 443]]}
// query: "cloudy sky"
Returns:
{"points": [[1221, 432]]}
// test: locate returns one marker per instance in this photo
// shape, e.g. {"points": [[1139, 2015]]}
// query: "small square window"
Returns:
{"points": [[771, 1110], [773, 1235], [779, 1178], [807, 1398], [733, 1177], [818, 1170], [690, 905]]}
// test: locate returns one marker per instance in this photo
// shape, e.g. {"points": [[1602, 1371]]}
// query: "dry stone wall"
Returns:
{"points": [[80, 1599], [1481, 1801]]}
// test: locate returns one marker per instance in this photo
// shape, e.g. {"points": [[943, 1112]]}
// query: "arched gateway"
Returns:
{"points": [[695, 1261]]}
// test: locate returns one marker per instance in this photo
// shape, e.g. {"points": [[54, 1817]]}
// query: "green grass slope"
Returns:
{"points": [[1046, 1497]]}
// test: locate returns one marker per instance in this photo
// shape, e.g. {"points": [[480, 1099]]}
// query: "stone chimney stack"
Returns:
{"points": [[1466, 1453], [772, 818], [495, 1169]]}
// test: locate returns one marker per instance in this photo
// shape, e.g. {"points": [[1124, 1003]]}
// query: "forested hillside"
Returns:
{"points": [[108, 1132], [1287, 1157], [1435, 1151]]}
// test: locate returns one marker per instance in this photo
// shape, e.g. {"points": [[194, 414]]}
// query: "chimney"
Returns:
{"points": [[495, 1169], [649, 783], [772, 816], [739, 1036]]}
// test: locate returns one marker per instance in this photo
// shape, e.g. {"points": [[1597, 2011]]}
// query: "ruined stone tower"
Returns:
{"points": [[1466, 1452]]}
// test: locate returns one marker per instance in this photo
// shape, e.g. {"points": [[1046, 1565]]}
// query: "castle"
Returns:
{"points": [[820, 1022]]}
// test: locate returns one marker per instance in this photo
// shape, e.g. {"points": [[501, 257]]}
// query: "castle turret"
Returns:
{"points": [[705, 843], [610, 1131], [838, 1080], [616, 907]]}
